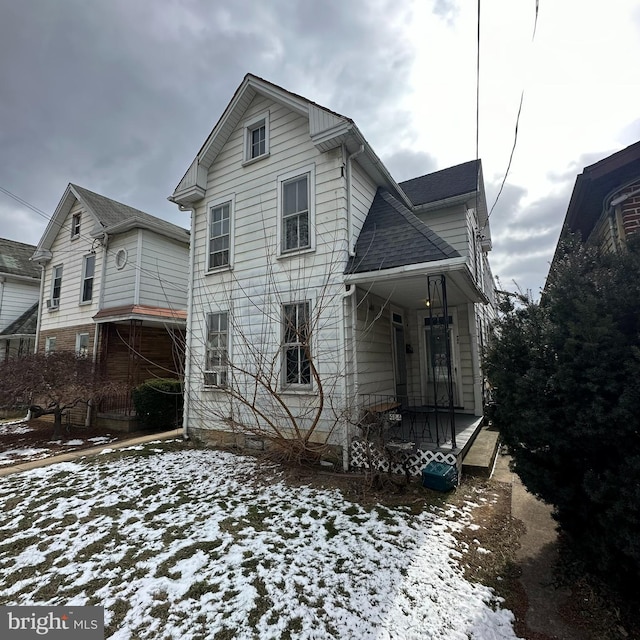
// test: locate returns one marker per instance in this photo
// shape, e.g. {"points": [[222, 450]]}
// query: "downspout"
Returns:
{"points": [[189, 332], [38, 318], [98, 326], [345, 387], [2, 279], [475, 359], [40, 305], [350, 244]]}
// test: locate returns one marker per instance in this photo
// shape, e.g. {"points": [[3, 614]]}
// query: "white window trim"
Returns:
{"points": [[47, 344], [294, 387], [207, 387], [75, 234], [249, 126], [84, 275], [120, 259], [231, 201], [50, 301], [310, 170], [78, 339]]}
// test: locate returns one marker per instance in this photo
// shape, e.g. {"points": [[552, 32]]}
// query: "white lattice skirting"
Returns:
{"points": [[365, 455]]}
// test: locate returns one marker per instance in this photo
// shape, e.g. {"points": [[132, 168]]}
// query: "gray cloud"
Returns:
{"points": [[119, 96], [406, 164], [446, 9]]}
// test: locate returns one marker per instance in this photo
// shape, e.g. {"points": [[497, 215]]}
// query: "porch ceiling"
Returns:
{"points": [[408, 288]]}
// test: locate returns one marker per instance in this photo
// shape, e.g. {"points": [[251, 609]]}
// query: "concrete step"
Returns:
{"points": [[481, 456]]}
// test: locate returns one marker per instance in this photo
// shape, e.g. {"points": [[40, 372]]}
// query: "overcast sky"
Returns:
{"points": [[118, 96]]}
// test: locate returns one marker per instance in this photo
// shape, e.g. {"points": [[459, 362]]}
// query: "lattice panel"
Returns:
{"points": [[364, 455]]}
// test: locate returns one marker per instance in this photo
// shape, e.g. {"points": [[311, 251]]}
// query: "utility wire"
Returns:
{"points": [[478, 111], [175, 286], [515, 136]]}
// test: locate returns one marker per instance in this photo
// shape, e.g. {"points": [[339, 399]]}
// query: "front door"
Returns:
{"points": [[440, 350]]}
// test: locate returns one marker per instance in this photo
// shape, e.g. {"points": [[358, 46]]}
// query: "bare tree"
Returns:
{"points": [[270, 349], [52, 383]]}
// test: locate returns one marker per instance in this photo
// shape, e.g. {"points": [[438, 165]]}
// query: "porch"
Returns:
{"points": [[402, 435]]}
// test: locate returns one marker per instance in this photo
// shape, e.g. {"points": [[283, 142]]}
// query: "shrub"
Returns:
{"points": [[159, 402], [566, 377]]}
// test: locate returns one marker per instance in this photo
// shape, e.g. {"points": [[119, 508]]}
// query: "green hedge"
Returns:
{"points": [[159, 403]]}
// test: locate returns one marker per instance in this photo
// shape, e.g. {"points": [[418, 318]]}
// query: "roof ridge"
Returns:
{"points": [[130, 213], [439, 171]]}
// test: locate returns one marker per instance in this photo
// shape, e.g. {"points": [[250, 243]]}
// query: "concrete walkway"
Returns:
{"points": [[537, 557], [91, 451]]}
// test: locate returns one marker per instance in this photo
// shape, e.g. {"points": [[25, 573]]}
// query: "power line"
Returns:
{"points": [[170, 285], [515, 135]]}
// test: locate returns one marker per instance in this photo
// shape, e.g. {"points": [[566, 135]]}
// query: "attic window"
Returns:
{"points": [[256, 138], [75, 226]]}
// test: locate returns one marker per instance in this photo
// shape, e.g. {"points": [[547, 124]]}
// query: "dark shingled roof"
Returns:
{"points": [[14, 259], [110, 212], [24, 325], [440, 185], [392, 236]]}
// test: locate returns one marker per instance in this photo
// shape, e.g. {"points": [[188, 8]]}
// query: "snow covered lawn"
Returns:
{"points": [[197, 544]]}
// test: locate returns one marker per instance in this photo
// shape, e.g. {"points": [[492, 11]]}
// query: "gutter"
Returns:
{"points": [[446, 202], [441, 266]]}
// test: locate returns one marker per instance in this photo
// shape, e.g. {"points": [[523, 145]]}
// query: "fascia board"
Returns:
{"points": [[55, 223], [420, 268], [446, 202], [133, 223], [378, 168]]}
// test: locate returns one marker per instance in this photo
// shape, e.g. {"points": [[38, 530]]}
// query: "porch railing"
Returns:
{"points": [[120, 403], [407, 418]]}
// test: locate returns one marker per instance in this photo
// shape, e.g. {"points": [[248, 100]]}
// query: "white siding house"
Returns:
{"points": [[19, 294], [320, 287], [114, 286]]}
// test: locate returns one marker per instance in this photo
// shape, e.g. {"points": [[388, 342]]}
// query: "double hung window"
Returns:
{"points": [[217, 350], [82, 344], [56, 287], [256, 138], [296, 344], [88, 272], [295, 214], [220, 235], [75, 225]]}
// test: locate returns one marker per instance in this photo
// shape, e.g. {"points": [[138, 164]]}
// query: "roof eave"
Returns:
{"points": [[133, 223], [446, 202]]}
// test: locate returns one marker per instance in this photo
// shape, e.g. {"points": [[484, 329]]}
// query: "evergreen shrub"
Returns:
{"points": [[159, 403]]}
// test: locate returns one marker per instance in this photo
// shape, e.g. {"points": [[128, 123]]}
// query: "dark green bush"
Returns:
{"points": [[566, 377], [159, 402]]}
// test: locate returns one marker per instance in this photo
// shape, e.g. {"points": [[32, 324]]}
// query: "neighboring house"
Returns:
{"points": [[605, 203], [114, 288], [19, 294], [315, 274]]}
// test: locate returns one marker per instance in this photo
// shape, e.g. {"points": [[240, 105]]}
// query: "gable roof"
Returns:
{"points": [[447, 183], [24, 325], [15, 259], [112, 215], [109, 216], [393, 236], [327, 130], [596, 183]]}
